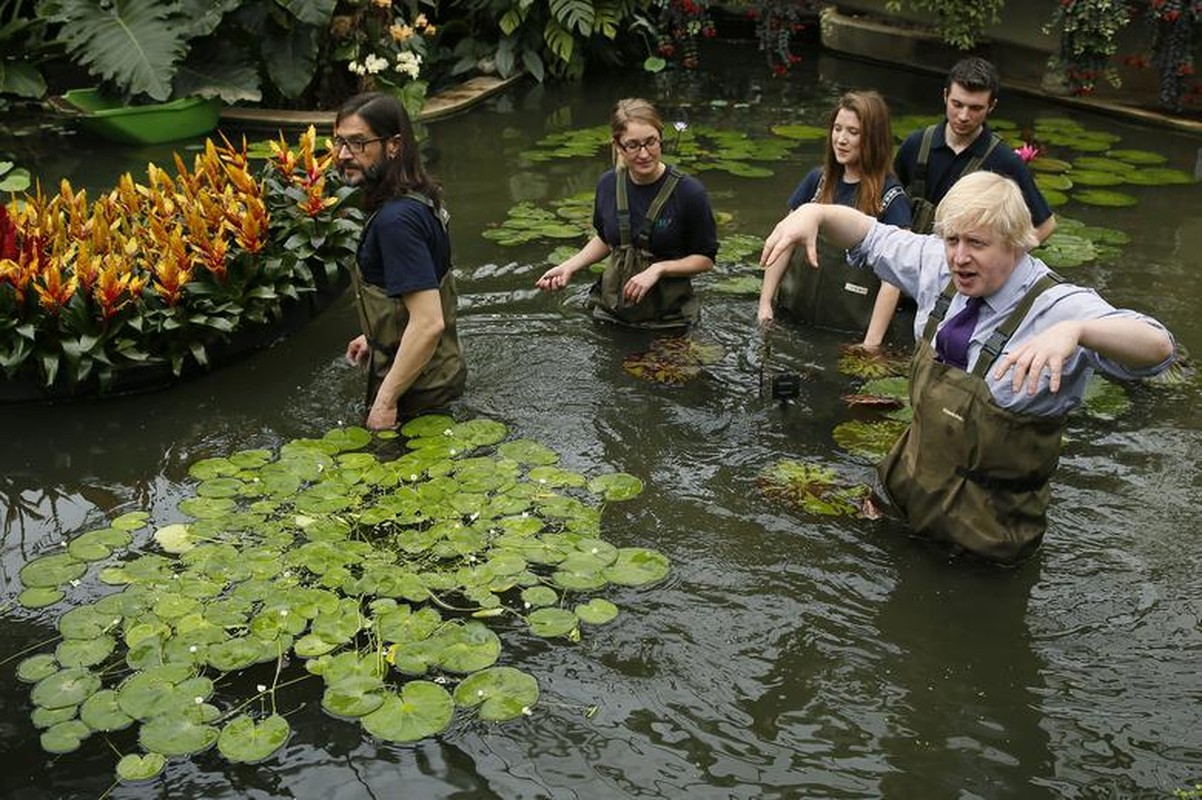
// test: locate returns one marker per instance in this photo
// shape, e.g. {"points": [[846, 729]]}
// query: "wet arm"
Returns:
{"points": [[774, 273], [887, 298], [558, 276]]}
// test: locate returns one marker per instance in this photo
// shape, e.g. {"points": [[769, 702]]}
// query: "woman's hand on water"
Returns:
{"points": [[381, 418], [765, 316], [554, 279]]}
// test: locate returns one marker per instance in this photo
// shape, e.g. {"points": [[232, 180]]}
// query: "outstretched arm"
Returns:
{"points": [[1131, 342], [558, 276], [774, 273], [844, 226]]}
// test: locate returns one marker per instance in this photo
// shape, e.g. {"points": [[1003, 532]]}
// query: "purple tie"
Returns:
{"points": [[951, 343]]}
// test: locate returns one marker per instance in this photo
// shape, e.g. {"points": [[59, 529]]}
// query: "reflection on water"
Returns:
{"points": [[785, 656]]}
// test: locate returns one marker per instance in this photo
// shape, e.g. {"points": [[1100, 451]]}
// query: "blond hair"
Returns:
{"points": [[991, 201]]}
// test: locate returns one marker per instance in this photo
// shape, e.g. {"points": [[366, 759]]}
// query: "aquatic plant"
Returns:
{"points": [[343, 559], [814, 489], [163, 271], [672, 359]]}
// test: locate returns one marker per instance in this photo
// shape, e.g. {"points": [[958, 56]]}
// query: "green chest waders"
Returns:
{"points": [[383, 320], [922, 210], [670, 303], [967, 471]]}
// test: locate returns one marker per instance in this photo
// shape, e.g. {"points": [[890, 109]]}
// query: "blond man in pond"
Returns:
{"points": [[1005, 351]]}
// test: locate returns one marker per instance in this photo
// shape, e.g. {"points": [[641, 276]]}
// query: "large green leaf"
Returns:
{"points": [[133, 43], [21, 79], [312, 12], [291, 57]]}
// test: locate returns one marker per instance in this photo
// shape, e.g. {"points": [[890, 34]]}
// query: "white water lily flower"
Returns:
{"points": [[479, 693], [413, 477], [283, 612], [192, 649], [526, 710], [452, 451], [74, 582], [198, 700], [446, 432], [261, 687]]}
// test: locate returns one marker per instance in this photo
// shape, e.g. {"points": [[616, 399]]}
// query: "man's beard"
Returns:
{"points": [[370, 176]]}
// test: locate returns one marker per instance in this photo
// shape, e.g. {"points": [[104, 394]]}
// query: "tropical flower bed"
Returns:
{"points": [[167, 272]]}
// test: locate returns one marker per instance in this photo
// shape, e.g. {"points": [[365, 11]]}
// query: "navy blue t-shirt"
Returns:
{"points": [[896, 213], [685, 225], [405, 248], [944, 167]]}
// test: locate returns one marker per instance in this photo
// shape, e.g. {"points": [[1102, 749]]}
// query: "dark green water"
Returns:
{"points": [[786, 656]]}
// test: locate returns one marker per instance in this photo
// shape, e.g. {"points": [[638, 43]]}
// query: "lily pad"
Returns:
{"points": [[502, 693], [67, 687], [871, 440], [597, 611], [550, 622], [801, 133], [616, 486], [353, 696], [35, 668], [134, 768], [65, 737], [863, 363], [537, 596], [1105, 400], [177, 734], [812, 488], [636, 566], [40, 596], [102, 713], [132, 521], [1091, 177], [245, 741], [1159, 176], [52, 571], [423, 708], [84, 652], [1138, 157], [529, 452], [1104, 197]]}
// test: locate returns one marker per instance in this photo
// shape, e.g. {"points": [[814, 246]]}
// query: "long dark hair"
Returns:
{"points": [[386, 117]]}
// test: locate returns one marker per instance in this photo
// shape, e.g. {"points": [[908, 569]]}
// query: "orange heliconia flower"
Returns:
{"points": [[54, 291]]}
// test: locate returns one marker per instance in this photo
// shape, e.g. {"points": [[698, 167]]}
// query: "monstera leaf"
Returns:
{"points": [[135, 44]]}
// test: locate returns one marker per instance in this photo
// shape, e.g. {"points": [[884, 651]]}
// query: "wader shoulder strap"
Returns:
{"points": [[819, 188], [443, 216], [657, 205], [939, 311], [918, 186], [974, 163], [623, 207], [889, 198], [997, 340]]}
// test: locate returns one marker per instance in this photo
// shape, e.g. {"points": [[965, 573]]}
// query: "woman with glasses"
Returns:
{"points": [[653, 222], [856, 173], [403, 280]]}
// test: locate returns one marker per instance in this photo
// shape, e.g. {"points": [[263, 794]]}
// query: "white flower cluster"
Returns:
{"points": [[370, 66], [409, 63]]}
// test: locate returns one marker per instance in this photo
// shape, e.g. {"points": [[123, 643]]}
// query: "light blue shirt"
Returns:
{"points": [[918, 264]]}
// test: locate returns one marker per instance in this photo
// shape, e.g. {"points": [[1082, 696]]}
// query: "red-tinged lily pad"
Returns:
{"points": [[811, 488], [862, 363], [423, 708], [134, 768], [672, 360], [245, 741], [865, 400], [502, 693], [872, 440]]}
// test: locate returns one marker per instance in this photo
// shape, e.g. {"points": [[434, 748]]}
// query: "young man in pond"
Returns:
{"points": [[403, 280], [1005, 350], [931, 160]]}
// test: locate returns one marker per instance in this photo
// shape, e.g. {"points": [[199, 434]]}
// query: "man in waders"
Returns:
{"points": [[403, 280], [1005, 350], [931, 160]]}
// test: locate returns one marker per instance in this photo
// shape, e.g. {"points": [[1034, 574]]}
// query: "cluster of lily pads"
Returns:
{"points": [[328, 560]]}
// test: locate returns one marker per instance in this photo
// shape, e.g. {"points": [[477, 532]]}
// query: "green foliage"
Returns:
{"points": [[369, 573], [960, 23]]}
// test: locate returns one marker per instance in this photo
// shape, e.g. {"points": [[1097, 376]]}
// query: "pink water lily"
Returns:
{"points": [[1027, 152]]}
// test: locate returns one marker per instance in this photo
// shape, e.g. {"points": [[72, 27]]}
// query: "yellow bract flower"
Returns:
{"points": [[400, 32]]}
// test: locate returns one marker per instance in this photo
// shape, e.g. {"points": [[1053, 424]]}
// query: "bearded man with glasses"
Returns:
{"points": [[403, 280], [655, 225]]}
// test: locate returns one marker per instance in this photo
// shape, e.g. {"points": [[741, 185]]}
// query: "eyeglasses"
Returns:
{"points": [[356, 146], [632, 146]]}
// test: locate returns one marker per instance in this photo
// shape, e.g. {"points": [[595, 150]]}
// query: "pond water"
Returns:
{"points": [[786, 655]]}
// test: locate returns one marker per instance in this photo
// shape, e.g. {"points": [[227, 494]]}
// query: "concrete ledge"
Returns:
{"points": [[1022, 68], [449, 101]]}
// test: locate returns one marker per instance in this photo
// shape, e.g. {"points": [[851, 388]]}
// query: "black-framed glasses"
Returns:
{"points": [[356, 146], [633, 145]]}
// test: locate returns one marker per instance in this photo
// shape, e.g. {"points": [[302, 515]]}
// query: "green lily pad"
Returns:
{"points": [[134, 768], [177, 734], [52, 571], [1054, 197], [538, 596], [1159, 176], [67, 687], [465, 648], [352, 438], [801, 133], [1103, 164], [637, 566], [739, 284], [49, 717], [40, 596], [245, 741], [353, 696], [422, 709], [870, 364], [597, 611], [84, 652], [132, 521], [1103, 197], [502, 693], [672, 360], [1138, 157], [616, 486], [1053, 165], [207, 507], [550, 622], [35, 668], [1090, 177], [1105, 400], [102, 713], [528, 452], [1046, 181], [65, 737]]}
